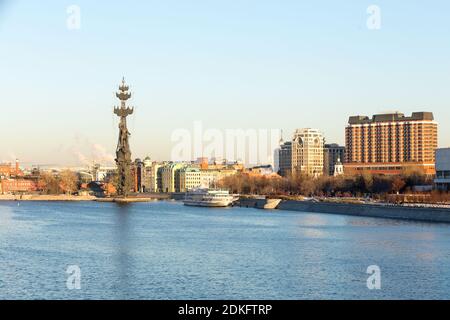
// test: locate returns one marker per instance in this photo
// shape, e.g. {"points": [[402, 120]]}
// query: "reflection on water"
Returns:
{"points": [[164, 250], [313, 220], [6, 221], [11, 221], [312, 233], [122, 230]]}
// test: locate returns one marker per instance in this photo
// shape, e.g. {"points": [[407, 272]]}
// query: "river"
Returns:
{"points": [[164, 250]]}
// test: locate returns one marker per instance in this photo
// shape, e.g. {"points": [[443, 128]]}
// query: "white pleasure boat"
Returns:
{"points": [[208, 198]]}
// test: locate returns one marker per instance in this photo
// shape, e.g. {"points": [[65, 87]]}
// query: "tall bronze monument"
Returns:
{"points": [[123, 152]]}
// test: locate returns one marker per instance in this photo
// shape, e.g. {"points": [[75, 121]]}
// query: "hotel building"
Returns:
{"points": [[391, 143]]}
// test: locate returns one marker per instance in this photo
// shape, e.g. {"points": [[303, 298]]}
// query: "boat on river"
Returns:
{"points": [[209, 198]]}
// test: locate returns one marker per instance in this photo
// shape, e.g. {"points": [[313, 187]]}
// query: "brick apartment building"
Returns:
{"points": [[11, 180], [391, 143], [7, 170], [17, 186]]}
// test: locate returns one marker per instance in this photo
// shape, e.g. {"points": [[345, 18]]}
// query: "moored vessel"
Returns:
{"points": [[208, 198]]}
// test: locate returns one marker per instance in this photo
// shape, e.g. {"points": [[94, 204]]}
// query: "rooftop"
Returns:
{"points": [[391, 117]]}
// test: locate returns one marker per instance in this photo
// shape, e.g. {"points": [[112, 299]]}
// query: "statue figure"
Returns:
{"points": [[123, 144]]}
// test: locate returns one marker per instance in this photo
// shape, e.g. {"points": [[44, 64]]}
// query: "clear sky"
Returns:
{"points": [[230, 64]]}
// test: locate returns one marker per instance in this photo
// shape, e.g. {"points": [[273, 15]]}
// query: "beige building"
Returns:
{"points": [[391, 143], [182, 177], [211, 177], [169, 177], [307, 152], [190, 178], [150, 176]]}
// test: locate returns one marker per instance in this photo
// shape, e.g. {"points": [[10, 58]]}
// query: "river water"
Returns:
{"points": [[164, 250]]}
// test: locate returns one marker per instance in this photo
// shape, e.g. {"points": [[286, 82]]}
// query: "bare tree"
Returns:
{"points": [[48, 183], [68, 181], [398, 184]]}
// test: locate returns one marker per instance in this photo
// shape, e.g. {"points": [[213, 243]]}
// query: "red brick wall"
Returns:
{"points": [[18, 185]]}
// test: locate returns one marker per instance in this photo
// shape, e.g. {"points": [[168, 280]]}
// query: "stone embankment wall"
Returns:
{"points": [[363, 210], [368, 210]]}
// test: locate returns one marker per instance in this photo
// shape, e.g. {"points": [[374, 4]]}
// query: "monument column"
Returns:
{"points": [[123, 152]]}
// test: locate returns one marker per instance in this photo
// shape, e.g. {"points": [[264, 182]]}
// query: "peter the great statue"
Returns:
{"points": [[123, 152]]}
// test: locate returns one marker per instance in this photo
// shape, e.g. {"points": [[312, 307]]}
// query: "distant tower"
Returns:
{"points": [[281, 142], [123, 153], [338, 168], [17, 167]]}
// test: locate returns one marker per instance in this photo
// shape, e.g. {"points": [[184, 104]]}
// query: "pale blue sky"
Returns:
{"points": [[231, 64]]}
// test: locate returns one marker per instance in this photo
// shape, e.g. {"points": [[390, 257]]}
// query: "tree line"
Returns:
{"points": [[66, 182], [357, 185]]}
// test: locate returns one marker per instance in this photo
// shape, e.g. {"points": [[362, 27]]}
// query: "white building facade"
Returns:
{"points": [[442, 180]]}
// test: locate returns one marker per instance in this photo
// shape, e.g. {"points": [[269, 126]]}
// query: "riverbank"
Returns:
{"points": [[39, 197], [62, 197], [379, 210], [127, 200]]}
